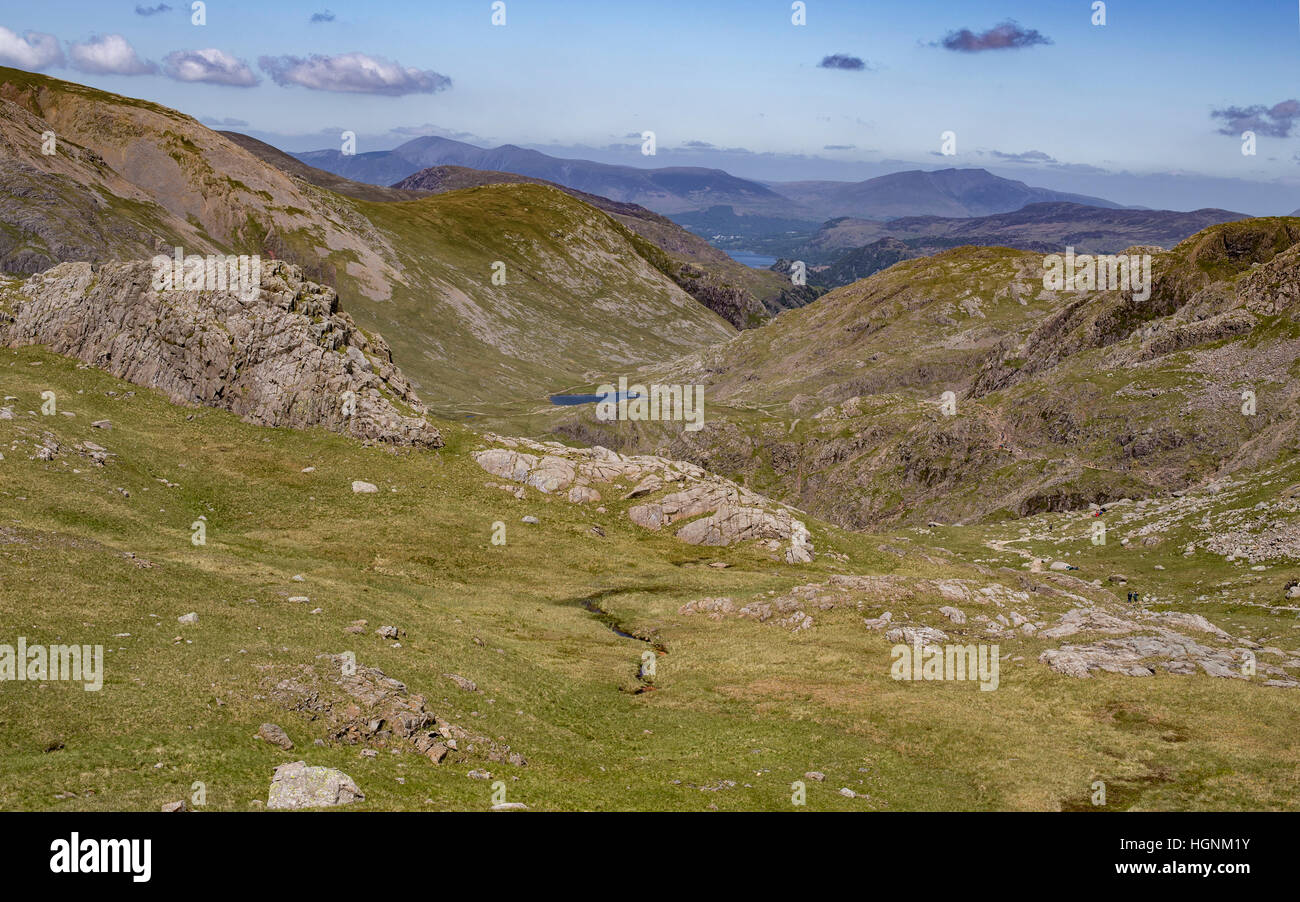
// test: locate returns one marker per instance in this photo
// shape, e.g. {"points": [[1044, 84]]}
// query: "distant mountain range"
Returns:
{"points": [[858, 248], [1086, 227], [677, 190], [667, 190]]}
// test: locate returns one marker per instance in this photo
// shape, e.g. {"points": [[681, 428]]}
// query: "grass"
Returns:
{"points": [[735, 700]]}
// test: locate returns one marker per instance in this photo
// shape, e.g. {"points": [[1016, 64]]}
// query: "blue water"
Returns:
{"points": [[571, 400], [754, 261]]}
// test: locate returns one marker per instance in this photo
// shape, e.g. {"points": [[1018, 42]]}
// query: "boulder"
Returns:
{"points": [[296, 785], [465, 685], [273, 734], [911, 635]]}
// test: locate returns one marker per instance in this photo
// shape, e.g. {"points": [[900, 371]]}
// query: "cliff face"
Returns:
{"points": [[283, 354]]}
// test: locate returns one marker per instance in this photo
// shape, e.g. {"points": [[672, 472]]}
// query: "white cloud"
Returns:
{"points": [[211, 65], [34, 50], [109, 54], [353, 73]]}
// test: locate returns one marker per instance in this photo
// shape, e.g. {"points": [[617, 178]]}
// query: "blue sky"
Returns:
{"points": [[1122, 110]]}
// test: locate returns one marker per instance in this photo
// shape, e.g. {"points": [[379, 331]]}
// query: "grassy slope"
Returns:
{"points": [[579, 301], [737, 700], [1056, 433]]}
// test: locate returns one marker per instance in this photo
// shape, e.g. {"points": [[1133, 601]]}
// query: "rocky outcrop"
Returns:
{"points": [[710, 510], [1145, 641], [859, 593], [284, 355], [296, 786], [364, 706]]}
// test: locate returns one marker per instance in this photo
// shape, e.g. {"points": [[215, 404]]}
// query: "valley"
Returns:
{"points": [[337, 514]]}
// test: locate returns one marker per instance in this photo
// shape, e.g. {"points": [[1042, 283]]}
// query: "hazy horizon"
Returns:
{"points": [[1040, 94]]}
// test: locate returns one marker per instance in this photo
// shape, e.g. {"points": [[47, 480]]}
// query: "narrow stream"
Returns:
{"points": [[591, 604]]}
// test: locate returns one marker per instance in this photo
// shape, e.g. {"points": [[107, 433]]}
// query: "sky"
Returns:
{"points": [[1146, 110]]}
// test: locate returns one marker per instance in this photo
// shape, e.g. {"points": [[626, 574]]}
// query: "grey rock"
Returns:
{"points": [[273, 734], [296, 785], [909, 635], [879, 623], [461, 682]]}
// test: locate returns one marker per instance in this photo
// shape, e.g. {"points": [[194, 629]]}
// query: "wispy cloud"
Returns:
{"points": [[223, 123], [840, 147], [33, 51], [211, 65], [1275, 121], [1040, 158], [109, 54], [428, 128], [321, 18], [1028, 156], [844, 62], [1007, 36], [152, 10], [352, 73]]}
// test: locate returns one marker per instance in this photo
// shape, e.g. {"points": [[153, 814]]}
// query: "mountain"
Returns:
{"points": [[943, 192], [664, 190], [1088, 229], [1046, 228], [318, 177], [583, 294], [740, 294], [743, 296], [736, 293]]}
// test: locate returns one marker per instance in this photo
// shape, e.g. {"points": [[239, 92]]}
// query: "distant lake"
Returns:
{"points": [[755, 261], [573, 400]]}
